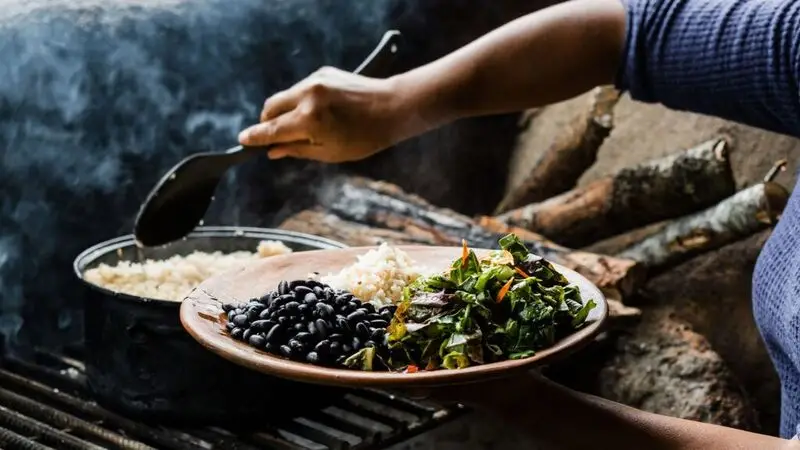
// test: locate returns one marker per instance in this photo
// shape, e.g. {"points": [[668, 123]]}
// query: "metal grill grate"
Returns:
{"points": [[44, 405]]}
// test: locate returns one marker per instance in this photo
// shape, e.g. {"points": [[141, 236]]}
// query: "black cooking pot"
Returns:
{"points": [[141, 362]]}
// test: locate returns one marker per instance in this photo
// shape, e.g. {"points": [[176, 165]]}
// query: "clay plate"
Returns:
{"points": [[202, 316]]}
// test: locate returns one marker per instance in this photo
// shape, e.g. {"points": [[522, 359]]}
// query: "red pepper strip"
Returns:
{"points": [[464, 252], [521, 272], [504, 290], [412, 369]]}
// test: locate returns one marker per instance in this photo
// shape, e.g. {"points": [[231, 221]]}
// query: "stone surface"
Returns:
{"points": [[666, 368]]}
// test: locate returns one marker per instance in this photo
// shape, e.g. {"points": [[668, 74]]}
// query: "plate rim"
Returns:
{"points": [[245, 355]]}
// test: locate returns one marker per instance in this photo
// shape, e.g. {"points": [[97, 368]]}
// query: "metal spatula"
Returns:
{"points": [[181, 198]]}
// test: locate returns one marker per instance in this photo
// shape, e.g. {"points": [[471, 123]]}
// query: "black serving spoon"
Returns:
{"points": [[178, 202]]}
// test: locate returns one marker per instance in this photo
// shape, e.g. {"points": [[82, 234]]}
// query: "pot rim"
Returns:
{"points": [[92, 253]]}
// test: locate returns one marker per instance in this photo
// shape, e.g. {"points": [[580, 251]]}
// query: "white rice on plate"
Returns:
{"points": [[173, 278], [378, 276]]}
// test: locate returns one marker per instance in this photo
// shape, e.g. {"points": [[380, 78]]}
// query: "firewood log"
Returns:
{"points": [[670, 187], [562, 164], [363, 212], [745, 213]]}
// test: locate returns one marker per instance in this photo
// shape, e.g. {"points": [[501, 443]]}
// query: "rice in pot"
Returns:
{"points": [[173, 278], [378, 276]]}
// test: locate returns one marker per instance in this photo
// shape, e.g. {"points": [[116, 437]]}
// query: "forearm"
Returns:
{"points": [[565, 419], [541, 58]]}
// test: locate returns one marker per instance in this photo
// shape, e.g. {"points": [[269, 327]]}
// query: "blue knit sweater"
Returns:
{"points": [[739, 60]]}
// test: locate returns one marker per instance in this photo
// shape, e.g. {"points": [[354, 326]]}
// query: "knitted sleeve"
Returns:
{"points": [[735, 59]]}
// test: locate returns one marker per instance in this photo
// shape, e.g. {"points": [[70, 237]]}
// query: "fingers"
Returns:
{"points": [[299, 151], [279, 104], [287, 128]]}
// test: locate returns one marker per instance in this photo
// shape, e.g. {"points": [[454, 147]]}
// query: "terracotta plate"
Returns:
{"points": [[201, 315]]}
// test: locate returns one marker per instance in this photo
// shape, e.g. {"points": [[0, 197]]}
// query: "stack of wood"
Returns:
{"points": [[688, 201]]}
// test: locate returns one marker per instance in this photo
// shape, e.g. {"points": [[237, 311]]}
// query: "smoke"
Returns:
{"points": [[98, 99]]}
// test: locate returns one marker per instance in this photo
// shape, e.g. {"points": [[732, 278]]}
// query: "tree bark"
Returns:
{"points": [[563, 163], [747, 212], [662, 189]]}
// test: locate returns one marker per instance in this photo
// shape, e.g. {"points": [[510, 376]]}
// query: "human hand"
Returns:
{"points": [[500, 394], [331, 116]]}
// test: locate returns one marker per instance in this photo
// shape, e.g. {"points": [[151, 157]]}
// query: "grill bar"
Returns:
{"points": [[63, 420], [13, 441], [92, 412], [47, 434], [43, 405]]}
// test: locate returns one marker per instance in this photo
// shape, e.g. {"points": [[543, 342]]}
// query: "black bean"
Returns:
{"points": [[369, 344], [374, 316], [247, 333], [296, 283], [301, 291], [356, 316], [319, 291], [291, 307], [257, 340], [323, 347], [377, 335], [387, 315], [354, 303], [264, 314], [261, 325], [283, 320], [342, 299], [346, 349], [296, 345], [228, 307], [236, 333], [239, 320], [343, 325], [231, 314], [362, 329], [378, 323], [274, 334], [286, 351], [356, 344], [303, 337], [329, 292], [325, 310], [230, 326], [335, 349], [312, 357], [278, 302], [336, 337], [369, 307], [300, 326], [310, 299], [322, 328], [304, 311], [347, 309], [340, 360], [283, 287], [271, 348]]}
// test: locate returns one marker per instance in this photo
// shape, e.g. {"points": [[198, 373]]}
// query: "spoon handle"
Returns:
{"points": [[378, 62]]}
